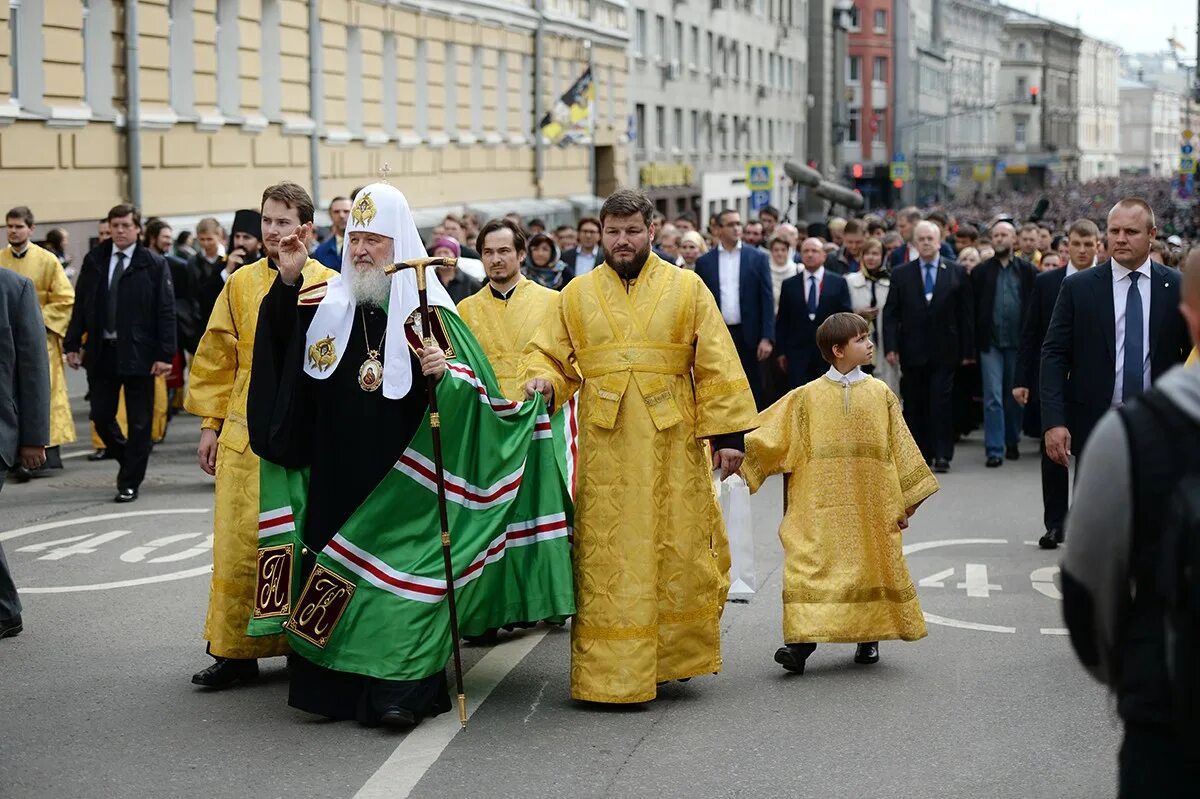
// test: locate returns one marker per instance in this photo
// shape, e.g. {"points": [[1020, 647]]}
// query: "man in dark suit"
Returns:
{"points": [[329, 252], [805, 301], [125, 303], [1111, 334], [1001, 285], [1083, 237], [906, 224], [740, 279], [848, 257], [587, 254], [24, 405], [928, 331]]}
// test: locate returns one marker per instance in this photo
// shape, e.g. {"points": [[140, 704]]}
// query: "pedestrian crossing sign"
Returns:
{"points": [[1187, 165], [758, 175], [899, 170]]}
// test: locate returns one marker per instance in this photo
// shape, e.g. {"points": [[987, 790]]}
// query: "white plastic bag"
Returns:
{"points": [[735, 507]]}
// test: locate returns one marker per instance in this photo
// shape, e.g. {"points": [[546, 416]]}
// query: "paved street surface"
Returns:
{"points": [[95, 698]]}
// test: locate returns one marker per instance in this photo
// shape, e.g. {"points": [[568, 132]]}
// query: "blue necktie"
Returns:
{"points": [[812, 296], [928, 278], [1132, 376]]}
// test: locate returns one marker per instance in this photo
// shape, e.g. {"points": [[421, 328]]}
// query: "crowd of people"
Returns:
{"points": [[767, 339]]}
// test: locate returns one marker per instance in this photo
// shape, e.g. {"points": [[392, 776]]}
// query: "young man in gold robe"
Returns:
{"points": [[856, 477], [510, 308], [658, 375], [217, 392], [56, 297]]}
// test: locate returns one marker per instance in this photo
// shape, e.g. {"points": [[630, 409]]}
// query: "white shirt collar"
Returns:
{"points": [[1120, 272], [855, 375], [128, 251], [819, 274], [736, 247]]}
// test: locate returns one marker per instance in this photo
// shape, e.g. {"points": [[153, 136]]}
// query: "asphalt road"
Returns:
{"points": [[95, 698]]}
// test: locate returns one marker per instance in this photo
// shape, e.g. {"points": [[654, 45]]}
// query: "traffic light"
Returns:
{"points": [[1033, 93], [898, 183], [856, 170]]}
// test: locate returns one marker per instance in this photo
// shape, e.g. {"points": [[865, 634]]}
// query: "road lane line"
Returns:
{"points": [[158, 578], [910, 549], [421, 748], [968, 625], [103, 517]]}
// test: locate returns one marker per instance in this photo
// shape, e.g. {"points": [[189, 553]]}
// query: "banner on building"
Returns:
{"points": [[570, 121]]}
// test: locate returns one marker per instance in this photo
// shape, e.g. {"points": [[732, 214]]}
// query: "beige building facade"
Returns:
{"points": [[231, 95]]}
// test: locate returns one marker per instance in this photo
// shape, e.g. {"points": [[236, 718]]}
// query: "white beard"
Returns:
{"points": [[371, 287]]}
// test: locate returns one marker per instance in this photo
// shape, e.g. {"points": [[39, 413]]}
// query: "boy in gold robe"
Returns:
{"points": [[510, 308], [856, 478], [644, 343], [56, 297], [217, 392]]}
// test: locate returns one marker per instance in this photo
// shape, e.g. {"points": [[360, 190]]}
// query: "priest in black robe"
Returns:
{"points": [[335, 420]]}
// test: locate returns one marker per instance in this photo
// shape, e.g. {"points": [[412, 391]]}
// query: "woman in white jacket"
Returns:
{"points": [[868, 294]]}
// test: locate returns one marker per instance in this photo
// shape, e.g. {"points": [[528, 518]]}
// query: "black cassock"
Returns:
{"points": [[349, 438]]}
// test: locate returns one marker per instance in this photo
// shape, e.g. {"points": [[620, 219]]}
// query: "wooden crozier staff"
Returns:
{"points": [[419, 265]]}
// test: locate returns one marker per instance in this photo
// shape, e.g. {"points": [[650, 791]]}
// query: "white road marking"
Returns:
{"points": [[968, 625], [204, 547], [536, 701], [138, 554], [911, 549], [43, 546], [1043, 582], [87, 546], [78, 453], [103, 517], [159, 578], [976, 581], [421, 748], [1055, 631], [937, 580]]}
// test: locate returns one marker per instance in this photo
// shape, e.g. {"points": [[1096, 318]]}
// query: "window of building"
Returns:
{"points": [[854, 68], [660, 36], [98, 56], [694, 54], [639, 122], [660, 127], [879, 69], [228, 80], [677, 54], [695, 120], [390, 80], [852, 132], [708, 49], [477, 91], [1022, 88], [502, 92], [526, 94], [354, 78], [272, 69], [421, 85], [881, 20], [879, 135], [180, 45], [677, 129], [639, 33], [450, 87], [1021, 50], [770, 135], [750, 64], [1019, 131], [610, 103]]}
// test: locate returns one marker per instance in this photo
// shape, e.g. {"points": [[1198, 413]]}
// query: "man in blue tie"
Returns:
{"points": [[1115, 329], [928, 332]]}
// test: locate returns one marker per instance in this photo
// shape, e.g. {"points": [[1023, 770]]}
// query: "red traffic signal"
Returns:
{"points": [[857, 170], [1033, 95], [898, 183]]}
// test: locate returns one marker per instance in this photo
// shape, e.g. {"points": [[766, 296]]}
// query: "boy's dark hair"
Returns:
{"points": [[20, 212], [838, 331], [122, 210]]}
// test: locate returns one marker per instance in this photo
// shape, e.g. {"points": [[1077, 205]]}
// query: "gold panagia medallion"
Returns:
{"points": [[370, 374], [323, 354]]}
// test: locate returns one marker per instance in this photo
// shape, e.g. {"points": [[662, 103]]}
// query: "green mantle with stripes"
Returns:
{"points": [[375, 603]]}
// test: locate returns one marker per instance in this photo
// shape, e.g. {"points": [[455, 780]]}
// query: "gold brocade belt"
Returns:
{"points": [[662, 359]]}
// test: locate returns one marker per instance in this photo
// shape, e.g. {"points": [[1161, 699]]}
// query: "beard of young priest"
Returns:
{"points": [[348, 436]]}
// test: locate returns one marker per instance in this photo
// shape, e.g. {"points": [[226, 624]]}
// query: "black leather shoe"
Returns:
{"points": [[941, 465], [867, 653], [793, 656], [1051, 539], [98, 455], [994, 462], [226, 672], [126, 495], [11, 628], [397, 718], [486, 638], [1012, 452]]}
